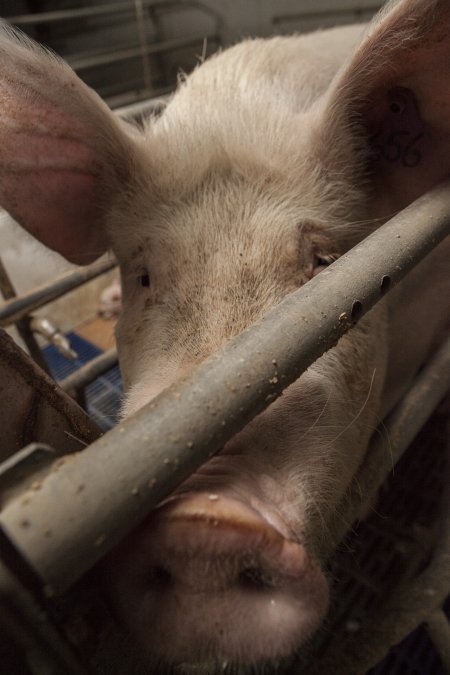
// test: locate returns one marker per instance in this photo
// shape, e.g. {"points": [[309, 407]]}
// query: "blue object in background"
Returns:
{"points": [[103, 395]]}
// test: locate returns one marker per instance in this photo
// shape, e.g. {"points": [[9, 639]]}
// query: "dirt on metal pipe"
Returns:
{"points": [[107, 489]]}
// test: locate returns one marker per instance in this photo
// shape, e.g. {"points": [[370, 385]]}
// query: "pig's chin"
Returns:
{"points": [[206, 580]]}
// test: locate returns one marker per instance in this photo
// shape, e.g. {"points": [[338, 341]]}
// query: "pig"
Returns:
{"points": [[272, 158], [110, 301]]}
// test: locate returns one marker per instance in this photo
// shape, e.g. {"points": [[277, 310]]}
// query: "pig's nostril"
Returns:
{"points": [[253, 578], [160, 577]]}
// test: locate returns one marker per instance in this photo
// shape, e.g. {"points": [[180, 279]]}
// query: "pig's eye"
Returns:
{"points": [[322, 261], [144, 280]]}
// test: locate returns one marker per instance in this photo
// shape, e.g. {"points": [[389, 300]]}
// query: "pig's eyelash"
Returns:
{"points": [[324, 260], [320, 261]]}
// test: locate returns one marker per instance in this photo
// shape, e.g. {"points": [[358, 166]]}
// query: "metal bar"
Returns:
{"points": [[86, 62], [101, 10], [110, 487], [27, 335], [438, 628], [323, 13], [33, 406], [412, 603], [7, 289], [140, 25], [22, 325], [142, 108], [17, 308], [76, 13], [137, 98], [397, 432], [90, 371], [24, 621]]}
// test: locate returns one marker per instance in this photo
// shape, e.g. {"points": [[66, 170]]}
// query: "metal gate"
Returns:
{"points": [[62, 508]]}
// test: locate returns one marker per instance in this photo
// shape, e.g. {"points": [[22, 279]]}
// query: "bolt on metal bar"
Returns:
{"points": [[16, 308], [85, 62], [109, 488]]}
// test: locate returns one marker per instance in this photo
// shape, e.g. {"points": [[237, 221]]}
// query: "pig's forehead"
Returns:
{"points": [[183, 151], [225, 119], [217, 120], [232, 178], [224, 210]]}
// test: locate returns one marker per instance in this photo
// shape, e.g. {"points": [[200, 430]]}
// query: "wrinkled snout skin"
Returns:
{"points": [[271, 160]]}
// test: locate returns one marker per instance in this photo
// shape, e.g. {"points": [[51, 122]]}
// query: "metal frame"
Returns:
{"points": [[143, 10], [170, 437], [23, 324], [315, 13], [417, 601], [110, 491], [15, 309]]}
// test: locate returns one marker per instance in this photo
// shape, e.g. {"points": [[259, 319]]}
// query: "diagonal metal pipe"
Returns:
{"points": [[16, 308], [89, 501]]}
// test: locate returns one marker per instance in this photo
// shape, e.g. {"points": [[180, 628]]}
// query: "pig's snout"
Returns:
{"points": [[207, 579]]}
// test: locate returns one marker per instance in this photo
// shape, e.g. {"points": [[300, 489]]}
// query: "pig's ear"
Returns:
{"points": [[63, 154], [396, 91]]}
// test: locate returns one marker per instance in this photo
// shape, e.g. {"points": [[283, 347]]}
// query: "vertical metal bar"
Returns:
{"points": [[26, 622], [409, 604], [90, 371], [22, 325], [159, 57], [140, 23]]}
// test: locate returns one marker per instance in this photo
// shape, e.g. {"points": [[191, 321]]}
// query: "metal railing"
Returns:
{"points": [[186, 424], [139, 14], [17, 310], [206, 410]]}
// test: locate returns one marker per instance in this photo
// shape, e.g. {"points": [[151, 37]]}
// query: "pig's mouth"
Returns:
{"points": [[207, 579]]}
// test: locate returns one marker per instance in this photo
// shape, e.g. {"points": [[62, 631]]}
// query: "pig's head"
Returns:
{"points": [[251, 181]]}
